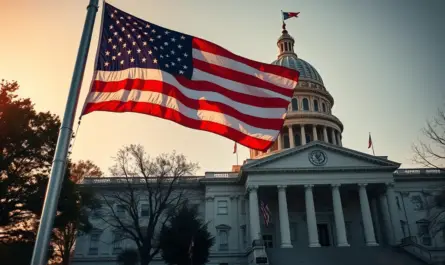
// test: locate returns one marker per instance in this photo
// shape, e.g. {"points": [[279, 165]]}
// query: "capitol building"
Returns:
{"points": [[327, 204]]}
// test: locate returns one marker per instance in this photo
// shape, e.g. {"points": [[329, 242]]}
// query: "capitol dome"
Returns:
{"points": [[307, 71], [309, 116]]}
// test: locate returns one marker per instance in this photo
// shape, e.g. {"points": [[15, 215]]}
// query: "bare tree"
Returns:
{"points": [[152, 183], [431, 151]]}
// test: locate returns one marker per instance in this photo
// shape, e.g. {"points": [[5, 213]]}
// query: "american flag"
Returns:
{"points": [[265, 211], [145, 68]]}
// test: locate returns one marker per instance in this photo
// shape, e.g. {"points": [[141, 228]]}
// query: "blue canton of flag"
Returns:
{"points": [[128, 41]]}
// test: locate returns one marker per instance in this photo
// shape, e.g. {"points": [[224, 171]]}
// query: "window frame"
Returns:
{"points": [[220, 207]]}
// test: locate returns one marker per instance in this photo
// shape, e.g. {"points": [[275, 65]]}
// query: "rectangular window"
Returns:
{"points": [[117, 242], [268, 241], [243, 206], [223, 207], [244, 236], [223, 239], [145, 209], [94, 243], [120, 210]]}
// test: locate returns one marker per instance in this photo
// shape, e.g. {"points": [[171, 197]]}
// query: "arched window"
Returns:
{"points": [[294, 104], [286, 143], [315, 105], [305, 104], [297, 139], [323, 106], [308, 138]]}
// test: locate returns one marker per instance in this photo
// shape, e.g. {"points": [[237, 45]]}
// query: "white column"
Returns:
{"points": [[389, 232], [314, 133], [284, 218], [311, 219], [366, 216], [394, 212], [334, 140], [303, 134], [280, 141], [339, 139], [254, 213], [342, 241], [325, 134], [291, 137]]}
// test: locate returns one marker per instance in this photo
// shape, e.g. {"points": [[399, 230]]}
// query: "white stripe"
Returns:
{"points": [[158, 75], [155, 74], [173, 103], [244, 68], [199, 75]]}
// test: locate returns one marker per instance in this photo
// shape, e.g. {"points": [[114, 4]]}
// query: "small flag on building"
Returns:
{"points": [[265, 211], [369, 141], [287, 15], [145, 68], [370, 144]]}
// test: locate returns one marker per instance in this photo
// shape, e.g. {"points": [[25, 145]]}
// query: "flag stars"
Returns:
{"points": [[153, 31], [114, 47], [124, 45], [182, 37], [165, 43], [181, 72], [111, 27], [133, 30], [139, 50], [115, 33], [173, 39], [134, 43], [139, 36], [172, 52], [167, 32], [120, 39], [135, 23], [113, 58], [107, 53], [150, 52], [185, 67], [152, 40], [143, 60], [106, 63], [129, 52], [186, 55], [110, 40], [147, 26], [166, 65], [123, 28], [180, 46], [129, 36], [155, 61], [119, 54], [159, 36], [132, 60], [178, 59], [122, 62]]}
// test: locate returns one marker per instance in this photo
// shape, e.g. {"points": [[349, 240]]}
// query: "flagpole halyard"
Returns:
{"points": [[39, 256]]}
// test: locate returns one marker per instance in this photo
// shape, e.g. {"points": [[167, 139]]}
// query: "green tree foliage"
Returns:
{"points": [[177, 236], [27, 144]]}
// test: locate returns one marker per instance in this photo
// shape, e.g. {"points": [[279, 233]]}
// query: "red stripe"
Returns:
{"points": [[173, 115], [239, 77], [207, 46], [101, 86], [172, 91]]}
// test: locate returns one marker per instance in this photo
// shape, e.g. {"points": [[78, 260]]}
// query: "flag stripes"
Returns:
{"points": [[188, 80]]}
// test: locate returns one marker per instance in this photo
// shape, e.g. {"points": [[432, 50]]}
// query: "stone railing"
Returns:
{"points": [[134, 180], [419, 171], [221, 174]]}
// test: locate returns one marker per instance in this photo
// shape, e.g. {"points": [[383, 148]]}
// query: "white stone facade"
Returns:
{"points": [[350, 199]]}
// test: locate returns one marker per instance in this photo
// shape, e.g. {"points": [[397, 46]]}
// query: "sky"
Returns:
{"points": [[382, 61]]}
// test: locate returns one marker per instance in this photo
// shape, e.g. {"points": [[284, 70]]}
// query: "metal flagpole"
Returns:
{"points": [[39, 256]]}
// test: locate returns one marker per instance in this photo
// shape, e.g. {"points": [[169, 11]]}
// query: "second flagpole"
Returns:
{"points": [[39, 255]]}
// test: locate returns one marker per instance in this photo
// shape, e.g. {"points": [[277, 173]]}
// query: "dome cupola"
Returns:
{"points": [[309, 117]]}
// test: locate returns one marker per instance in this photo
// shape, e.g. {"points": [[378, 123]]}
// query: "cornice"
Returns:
{"points": [[381, 163], [322, 169], [311, 115]]}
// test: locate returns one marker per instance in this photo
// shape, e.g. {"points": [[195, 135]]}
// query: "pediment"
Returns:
{"points": [[320, 156]]}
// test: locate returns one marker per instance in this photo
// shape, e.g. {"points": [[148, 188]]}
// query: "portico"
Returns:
{"points": [[315, 184]]}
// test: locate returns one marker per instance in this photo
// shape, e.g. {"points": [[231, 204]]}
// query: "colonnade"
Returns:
{"points": [[311, 218]]}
